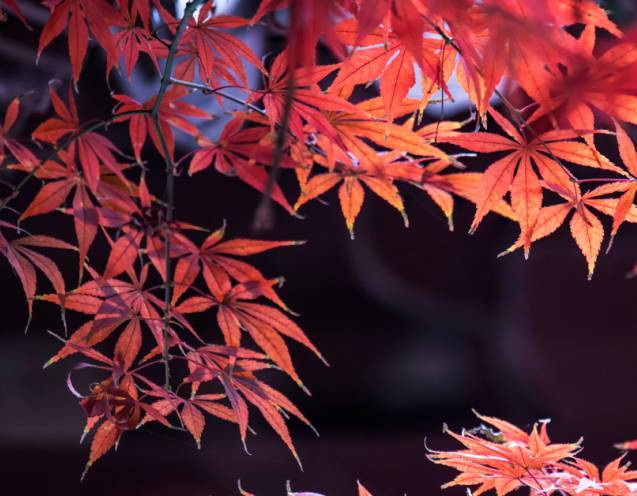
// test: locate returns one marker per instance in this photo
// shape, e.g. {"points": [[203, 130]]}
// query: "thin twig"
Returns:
{"points": [[208, 90]]}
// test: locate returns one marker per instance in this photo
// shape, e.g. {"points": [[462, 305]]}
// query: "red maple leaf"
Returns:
{"points": [[20, 152], [93, 149], [81, 16], [216, 48], [172, 113], [242, 153]]}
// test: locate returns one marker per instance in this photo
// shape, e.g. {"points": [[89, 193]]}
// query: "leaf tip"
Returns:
{"points": [[476, 413], [49, 362], [245, 445], [509, 250], [298, 459], [84, 434], [26, 327], [405, 218], [322, 359], [610, 243], [303, 387], [314, 429], [85, 471]]}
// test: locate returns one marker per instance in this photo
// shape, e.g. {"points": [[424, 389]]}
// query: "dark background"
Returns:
{"points": [[420, 325]]}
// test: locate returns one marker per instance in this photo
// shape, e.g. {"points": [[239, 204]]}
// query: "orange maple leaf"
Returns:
{"points": [[511, 459]]}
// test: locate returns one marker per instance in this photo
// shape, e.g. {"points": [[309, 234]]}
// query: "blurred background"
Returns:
{"points": [[419, 325]]}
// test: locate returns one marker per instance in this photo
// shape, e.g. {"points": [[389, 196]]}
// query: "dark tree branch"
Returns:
{"points": [[169, 195]]}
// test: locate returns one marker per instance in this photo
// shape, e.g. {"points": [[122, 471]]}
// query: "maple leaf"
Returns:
{"points": [[25, 260], [515, 173], [369, 171], [52, 195], [124, 250], [141, 9], [114, 303], [121, 409], [172, 113], [132, 39], [586, 82], [234, 368], [106, 437], [215, 259], [142, 224], [587, 12], [585, 227], [582, 477], [191, 411], [510, 459], [61, 179], [93, 149], [217, 48], [190, 64], [21, 153], [82, 17], [241, 152], [521, 38], [266, 325], [308, 21], [628, 155], [365, 124], [406, 18], [307, 100], [85, 337], [441, 187], [384, 56], [139, 220]]}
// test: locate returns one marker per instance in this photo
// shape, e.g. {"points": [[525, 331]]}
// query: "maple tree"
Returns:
{"points": [[356, 124]]}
